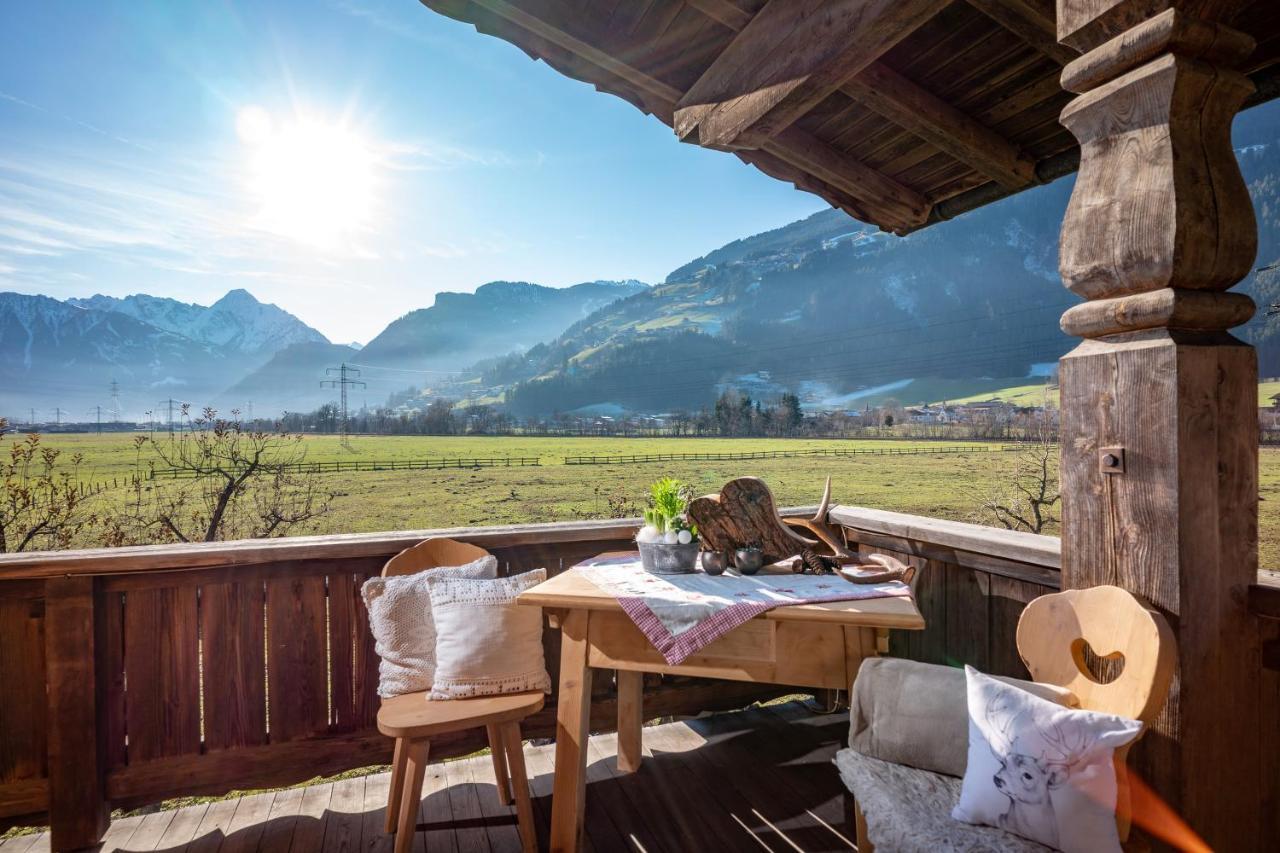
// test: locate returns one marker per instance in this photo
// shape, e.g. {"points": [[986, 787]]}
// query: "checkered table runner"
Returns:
{"points": [[682, 614]]}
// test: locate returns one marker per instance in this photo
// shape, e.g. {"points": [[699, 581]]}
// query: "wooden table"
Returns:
{"points": [[807, 645]]}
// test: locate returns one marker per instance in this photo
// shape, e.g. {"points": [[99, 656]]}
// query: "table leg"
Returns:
{"points": [[573, 715], [859, 644], [630, 717]]}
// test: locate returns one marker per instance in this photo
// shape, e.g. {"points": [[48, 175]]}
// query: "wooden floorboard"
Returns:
{"points": [[759, 779]]}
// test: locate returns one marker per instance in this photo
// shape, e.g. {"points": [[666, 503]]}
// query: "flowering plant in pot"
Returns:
{"points": [[668, 541]]}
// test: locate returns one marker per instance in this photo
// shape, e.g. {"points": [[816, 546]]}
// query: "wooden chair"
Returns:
{"points": [[1053, 633], [413, 719]]}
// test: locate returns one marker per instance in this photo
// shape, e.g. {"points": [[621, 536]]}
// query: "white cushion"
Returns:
{"points": [[1040, 770], [487, 644], [915, 713], [909, 810], [403, 633]]}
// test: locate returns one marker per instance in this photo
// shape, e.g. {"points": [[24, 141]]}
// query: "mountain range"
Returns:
{"points": [[827, 307], [841, 313], [65, 355]]}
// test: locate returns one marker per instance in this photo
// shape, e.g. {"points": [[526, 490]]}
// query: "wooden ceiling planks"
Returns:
{"points": [[786, 60], [959, 111]]}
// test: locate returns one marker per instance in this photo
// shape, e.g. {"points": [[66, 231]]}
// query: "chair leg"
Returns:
{"points": [[498, 750], [520, 785], [415, 768], [397, 783], [860, 822]]}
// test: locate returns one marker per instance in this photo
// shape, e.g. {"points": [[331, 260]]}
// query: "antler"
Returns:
{"points": [[1064, 748], [818, 526], [820, 517], [1003, 724]]}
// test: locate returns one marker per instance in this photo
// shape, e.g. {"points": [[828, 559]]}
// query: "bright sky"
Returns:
{"points": [[345, 159]]}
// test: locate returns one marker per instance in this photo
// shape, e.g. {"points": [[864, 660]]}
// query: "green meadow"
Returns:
{"points": [[944, 485]]}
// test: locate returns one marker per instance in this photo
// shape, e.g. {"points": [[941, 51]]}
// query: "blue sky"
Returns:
{"points": [[132, 159]]}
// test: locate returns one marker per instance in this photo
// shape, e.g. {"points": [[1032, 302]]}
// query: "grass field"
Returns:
{"points": [[942, 485]]}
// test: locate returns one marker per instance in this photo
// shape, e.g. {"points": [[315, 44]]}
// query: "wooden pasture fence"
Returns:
{"points": [[636, 458], [337, 465]]}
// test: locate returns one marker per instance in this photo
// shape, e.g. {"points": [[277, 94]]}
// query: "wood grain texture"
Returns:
{"points": [[1030, 20], [572, 720], [989, 541], [77, 800], [340, 546], [744, 513], [968, 606], [297, 658], [162, 670], [233, 623], [790, 56], [1179, 525], [22, 701]]}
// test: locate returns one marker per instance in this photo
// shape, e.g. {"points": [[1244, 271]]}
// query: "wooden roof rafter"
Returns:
{"points": [[901, 206], [912, 108], [901, 112]]}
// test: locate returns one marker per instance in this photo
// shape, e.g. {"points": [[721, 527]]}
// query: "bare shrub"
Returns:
{"points": [[1027, 491], [217, 480], [41, 502]]}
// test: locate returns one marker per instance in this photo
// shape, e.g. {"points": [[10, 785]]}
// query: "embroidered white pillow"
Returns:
{"points": [[400, 619], [1040, 770], [486, 643]]}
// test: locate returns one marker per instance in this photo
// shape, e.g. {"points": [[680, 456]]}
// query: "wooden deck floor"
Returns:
{"points": [[760, 779]]}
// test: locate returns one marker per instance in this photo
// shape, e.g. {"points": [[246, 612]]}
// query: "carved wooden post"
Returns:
{"points": [[1159, 420]]}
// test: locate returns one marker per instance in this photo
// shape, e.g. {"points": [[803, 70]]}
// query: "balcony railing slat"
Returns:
{"points": [[296, 663], [162, 666], [232, 625]]}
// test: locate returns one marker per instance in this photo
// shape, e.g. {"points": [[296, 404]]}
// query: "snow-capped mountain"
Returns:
{"points": [[236, 321], [55, 354]]}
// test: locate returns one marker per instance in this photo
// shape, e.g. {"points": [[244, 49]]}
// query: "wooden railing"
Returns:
{"points": [[132, 675], [973, 583]]}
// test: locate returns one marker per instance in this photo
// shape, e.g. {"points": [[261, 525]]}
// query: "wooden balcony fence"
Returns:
{"points": [[132, 675]]}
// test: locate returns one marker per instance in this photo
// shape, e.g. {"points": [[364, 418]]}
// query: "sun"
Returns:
{"points": [[313, 181]]}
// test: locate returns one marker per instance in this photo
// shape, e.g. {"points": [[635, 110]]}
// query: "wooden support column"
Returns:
{"points": [[1159, 420], [78, 814]]}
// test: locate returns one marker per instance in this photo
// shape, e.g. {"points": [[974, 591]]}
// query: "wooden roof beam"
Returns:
{"points": [[786, 59], [1032, 21], [949, 129], [899, 207], [916, 110], [893, 204]]}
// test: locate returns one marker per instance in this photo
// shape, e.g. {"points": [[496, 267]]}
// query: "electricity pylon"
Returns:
{"points": [[342, 383]]}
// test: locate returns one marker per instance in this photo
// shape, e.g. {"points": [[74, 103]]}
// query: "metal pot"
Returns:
{"points": [[663, 559], [748, 561], [715, 562]]}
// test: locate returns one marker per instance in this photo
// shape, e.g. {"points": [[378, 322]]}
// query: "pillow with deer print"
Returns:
{"points": [[1040, 770]]}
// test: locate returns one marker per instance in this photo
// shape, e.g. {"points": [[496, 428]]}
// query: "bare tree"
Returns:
{"points": [[1024, 497], [219, 479], [41, 502]]}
